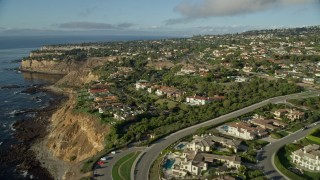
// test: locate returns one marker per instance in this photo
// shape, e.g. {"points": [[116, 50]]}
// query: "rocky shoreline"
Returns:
{"points": [[27, 133]]}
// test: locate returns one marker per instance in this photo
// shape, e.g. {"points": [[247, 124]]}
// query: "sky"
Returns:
{"points": [[153, 17]]}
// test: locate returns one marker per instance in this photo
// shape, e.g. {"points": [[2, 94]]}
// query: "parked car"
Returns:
{"points": [[104, 158], [100, 162], [113, 152]]}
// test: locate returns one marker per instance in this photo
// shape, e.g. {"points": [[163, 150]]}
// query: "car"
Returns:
{"points": [[104, 158], [113, 152], [100, 162]]}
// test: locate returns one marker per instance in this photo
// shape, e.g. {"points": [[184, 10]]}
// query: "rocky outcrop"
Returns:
{"points": [[75, 136], [50, 66]]}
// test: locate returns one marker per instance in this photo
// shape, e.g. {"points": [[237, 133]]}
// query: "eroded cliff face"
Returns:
{"points": [[50, 66], [75, 137]]}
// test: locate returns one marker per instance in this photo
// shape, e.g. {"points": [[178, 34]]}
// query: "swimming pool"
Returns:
{"points": [[180, 146], [169, 163]]}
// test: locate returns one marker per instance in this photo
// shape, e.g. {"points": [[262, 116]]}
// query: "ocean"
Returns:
{"points": [[13, 102]]}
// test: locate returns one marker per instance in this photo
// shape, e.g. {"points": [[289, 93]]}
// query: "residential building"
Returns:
{"points": [[268, 124], [205, 143], [291, 114], [280, 113], [200, 143], [307, 157], [142, 84], [195, 162], [308, 80], [241, 79], [192, 163], [198, 100], [243, 130], [188, 70], [247, 69], [295, 115], [170, 92]]}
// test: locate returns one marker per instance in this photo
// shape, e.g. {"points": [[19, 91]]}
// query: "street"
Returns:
{"points": [[152, 152], [104, 172], [265, 156]]}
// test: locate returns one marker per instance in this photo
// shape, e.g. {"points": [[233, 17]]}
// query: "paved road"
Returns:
{"points": [[105, 171], [151, 153], [265, 156]]}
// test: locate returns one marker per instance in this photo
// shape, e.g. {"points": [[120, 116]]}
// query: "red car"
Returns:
{"points": [[100, 162]]}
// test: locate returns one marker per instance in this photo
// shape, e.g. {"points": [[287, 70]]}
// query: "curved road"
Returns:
{"points": [[266, 155], [104, 172], [142, 169]]}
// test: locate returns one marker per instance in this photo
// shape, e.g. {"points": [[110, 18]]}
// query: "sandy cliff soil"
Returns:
{"points": [[74, 135], [50, 66], [72, 138]]}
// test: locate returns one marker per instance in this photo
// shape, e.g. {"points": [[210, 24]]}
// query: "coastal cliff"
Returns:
{"points": [[75, 136], [49, 66], [72, 136]]}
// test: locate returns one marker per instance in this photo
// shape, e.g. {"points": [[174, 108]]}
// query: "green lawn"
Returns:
{"points": [[314, 136], [170, 104], [123, 167], [296, 127], [279, 134], [260, 142]]}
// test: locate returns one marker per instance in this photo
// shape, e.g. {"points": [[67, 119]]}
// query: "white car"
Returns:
{"points": [[113, 152], [103, 158]]}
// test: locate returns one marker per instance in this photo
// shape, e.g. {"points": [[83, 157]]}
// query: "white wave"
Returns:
{"points": [[24, 173], [12, 128], [15, 112], [17, 92]]}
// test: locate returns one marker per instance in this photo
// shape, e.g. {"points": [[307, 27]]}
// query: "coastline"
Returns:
{"points": [[41, 72], [58, 168], [31, 132]]}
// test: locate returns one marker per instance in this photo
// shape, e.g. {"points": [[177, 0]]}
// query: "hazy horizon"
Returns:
{"points": [[151, 18]]}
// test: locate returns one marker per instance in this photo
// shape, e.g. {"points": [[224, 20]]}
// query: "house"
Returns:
{"points": [[200, 144], [230, 161], [204, 143], [203, 72], [241, 79], [191, 163], [195, 162], [280, 113], [291, 114], [225, 142], [308, 80], [247, 69], [243, 130], [198, 100], [98, 90], [142, 84], [170, 92], [224, 178], [295, 115], [188, 70], [268, 124], [308, 157]]}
